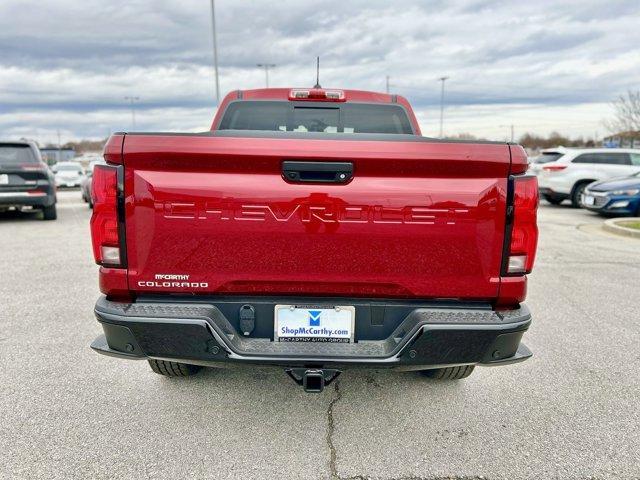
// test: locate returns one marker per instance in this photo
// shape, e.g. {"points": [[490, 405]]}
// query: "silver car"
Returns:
{"points": [[68, 174], [85, 187]]}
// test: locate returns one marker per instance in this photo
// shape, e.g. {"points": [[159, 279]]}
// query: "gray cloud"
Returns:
{"points": [[86, 55]]}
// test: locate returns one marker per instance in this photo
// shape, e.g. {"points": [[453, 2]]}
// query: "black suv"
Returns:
{"points": [[25, 180]]}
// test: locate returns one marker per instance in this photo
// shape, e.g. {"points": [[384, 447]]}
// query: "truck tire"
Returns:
{"points": [[449, 373], [49, 213], [173, 369]]}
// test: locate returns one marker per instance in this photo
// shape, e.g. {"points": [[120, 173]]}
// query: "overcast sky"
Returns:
{"points": [[540, 65]]}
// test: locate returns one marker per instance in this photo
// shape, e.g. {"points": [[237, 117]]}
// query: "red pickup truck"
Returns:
{"points": [[313, 229]]}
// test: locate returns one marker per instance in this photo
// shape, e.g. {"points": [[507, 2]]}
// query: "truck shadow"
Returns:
{"points": [[16, 216], [272, 383]]}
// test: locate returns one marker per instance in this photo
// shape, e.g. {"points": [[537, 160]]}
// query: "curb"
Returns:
{"points": [[613, 225]]}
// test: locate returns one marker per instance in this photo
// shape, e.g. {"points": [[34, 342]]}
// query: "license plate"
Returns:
{"points": [[4, 179], [589, 200], [69, 184], [295, 323]]}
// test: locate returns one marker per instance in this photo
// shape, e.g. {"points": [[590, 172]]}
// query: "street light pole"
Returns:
{"points": [[266, 67], [59, 159], [133, 110], [442, 79], [215, 49], [512, 127], [388, 83]]}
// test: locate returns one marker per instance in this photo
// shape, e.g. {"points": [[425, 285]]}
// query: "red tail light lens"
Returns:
{"points": [[104, 220], [554, 168], [524, 231]]}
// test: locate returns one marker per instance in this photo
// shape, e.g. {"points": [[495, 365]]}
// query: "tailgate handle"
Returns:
{"points": [[323, 172]]}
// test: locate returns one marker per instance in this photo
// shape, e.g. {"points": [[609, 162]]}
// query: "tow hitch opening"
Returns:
{"points": [[312, 380]]}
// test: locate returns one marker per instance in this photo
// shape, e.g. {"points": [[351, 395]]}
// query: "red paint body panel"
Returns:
{"points": [[113, 149], [418, 220], [519, 160]]}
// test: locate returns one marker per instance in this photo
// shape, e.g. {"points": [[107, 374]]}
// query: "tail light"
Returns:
{"points": [[317, 94], [105, 229], [523, 238], [554, 168]]}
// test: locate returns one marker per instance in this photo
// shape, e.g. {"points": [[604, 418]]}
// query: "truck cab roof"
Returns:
{"points": [[315, 96], [284, 94]]}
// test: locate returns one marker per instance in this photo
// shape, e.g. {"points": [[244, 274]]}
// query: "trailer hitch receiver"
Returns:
{"points": [[311, 379]]}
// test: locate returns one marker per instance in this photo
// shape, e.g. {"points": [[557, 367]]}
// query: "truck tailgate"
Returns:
{"points": [[210, 214]]}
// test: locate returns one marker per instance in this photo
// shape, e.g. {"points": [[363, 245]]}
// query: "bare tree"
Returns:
{"points": [[626, 113]]}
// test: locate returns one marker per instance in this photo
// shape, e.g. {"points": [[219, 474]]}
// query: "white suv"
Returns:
{"points": [[567, 176]]}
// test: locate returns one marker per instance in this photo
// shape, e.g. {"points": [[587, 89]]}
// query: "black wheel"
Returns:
{"points": [[576, 195], [173, 369], [49, 213], [552, 200], [449, 373]]}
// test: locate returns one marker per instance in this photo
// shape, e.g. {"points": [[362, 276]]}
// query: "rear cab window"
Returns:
{"points": [[16, 154], [547, 158], [285, 116]]}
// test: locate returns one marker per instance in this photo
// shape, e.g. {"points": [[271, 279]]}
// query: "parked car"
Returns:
{"points": [[617, 197], [68, 174], [25, 179], [314, 230], [85, 186], [547, 155], [568, 176]]}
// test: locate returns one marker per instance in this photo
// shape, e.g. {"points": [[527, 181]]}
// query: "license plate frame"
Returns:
{"points": [[321, 323]]}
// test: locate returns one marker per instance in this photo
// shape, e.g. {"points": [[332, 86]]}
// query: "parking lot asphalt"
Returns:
{"points": [[571, 412]]}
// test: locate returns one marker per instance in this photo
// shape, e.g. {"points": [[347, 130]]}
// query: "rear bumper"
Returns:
{"points": [[556, 184], [45, 199], [74, 183], [549, 192], [428, 336]]}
